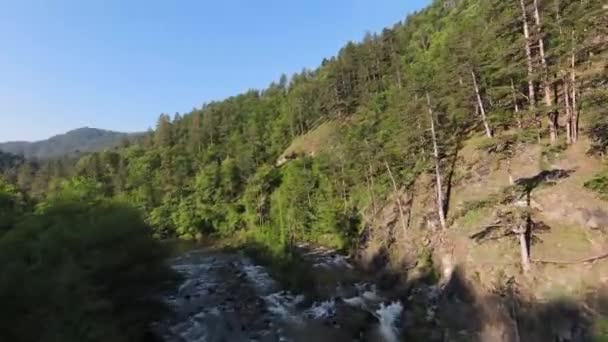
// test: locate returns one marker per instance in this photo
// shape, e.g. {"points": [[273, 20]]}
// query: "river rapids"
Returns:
{"points": [[228, 298]]}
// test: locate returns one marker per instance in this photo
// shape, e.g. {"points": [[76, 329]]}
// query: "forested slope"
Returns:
{"points": [[460, 67]]}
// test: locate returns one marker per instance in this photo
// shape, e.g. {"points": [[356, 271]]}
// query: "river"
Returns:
{"points": [[226, 297]]}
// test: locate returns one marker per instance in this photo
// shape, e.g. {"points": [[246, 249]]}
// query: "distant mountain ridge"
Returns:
{"points": [[76, 141]]}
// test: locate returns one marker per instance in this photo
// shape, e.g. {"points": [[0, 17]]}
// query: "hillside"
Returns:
{"points": [[9, 160], [477, 260], [74, 142]]}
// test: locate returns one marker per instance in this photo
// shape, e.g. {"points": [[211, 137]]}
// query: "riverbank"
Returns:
{"points": [[243, 294]]}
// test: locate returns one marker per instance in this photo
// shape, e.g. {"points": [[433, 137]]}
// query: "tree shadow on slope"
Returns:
{"points": [[461, 309], [548, 177], [506, 314]]}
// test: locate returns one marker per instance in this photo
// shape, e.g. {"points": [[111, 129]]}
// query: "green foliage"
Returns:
{"points": [[9, 161], [505, 144], [599, 184], [12, 205], [426, 266], [81, 272], [601, 330], [293, 201], [552, 152], [256, 197], [599, 135], [77, 189], [185, 219]]}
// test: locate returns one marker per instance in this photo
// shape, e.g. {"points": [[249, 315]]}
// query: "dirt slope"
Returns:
{"points": [[485, 279]]}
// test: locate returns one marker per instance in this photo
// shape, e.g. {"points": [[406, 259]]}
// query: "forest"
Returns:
{"points": [[390, 108]]}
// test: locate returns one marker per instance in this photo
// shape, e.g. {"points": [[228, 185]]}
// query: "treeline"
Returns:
{"points": [[399, 100]]}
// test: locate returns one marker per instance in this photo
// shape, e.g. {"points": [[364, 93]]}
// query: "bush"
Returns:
{"points": [[81, 272], [599, 184], [550, 153]]}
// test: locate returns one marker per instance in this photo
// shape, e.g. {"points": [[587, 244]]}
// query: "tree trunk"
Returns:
{"points": [[541, 42], [516, 106], [531, 91], [575, 112], [552, 121], [509, 173], [568, 112], [398, 76], [481, 106], [525, 253], [438, 182], [343, 186], [370, 187], [552, 114], [396, 190]]}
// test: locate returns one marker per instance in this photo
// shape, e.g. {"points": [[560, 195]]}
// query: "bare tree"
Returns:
{"points": [[528, 48], [552, 114], [516, 105], [438, 181], [568, 112], [521, 230], [481, 106], [575, 112], [396, 190], [370, 187]]}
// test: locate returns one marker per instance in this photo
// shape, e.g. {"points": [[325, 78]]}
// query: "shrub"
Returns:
{"points": [[599, 184]]}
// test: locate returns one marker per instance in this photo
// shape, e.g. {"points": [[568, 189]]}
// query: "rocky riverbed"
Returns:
{"points": [[227, 297]]}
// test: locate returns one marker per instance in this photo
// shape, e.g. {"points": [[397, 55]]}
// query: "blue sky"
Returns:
{"points": [[117, 64]]}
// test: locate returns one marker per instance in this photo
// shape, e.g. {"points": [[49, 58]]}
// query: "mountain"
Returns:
{"points": [[8, 160], [83, 139]]}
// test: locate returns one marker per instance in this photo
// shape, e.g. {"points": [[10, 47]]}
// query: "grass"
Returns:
{"points": [[475, 199], [473, 219], [312, 142], [600, 333], [429, 274], [526, 136], [473, 211], [599, 184], [551, 153]]}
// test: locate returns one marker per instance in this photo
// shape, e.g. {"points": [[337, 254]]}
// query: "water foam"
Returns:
{"points": [[388, 316], [260, 279], [283, 305], [322, 310]]}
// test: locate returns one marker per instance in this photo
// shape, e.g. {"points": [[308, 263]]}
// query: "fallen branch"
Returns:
{"points": [[583, 261]]}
